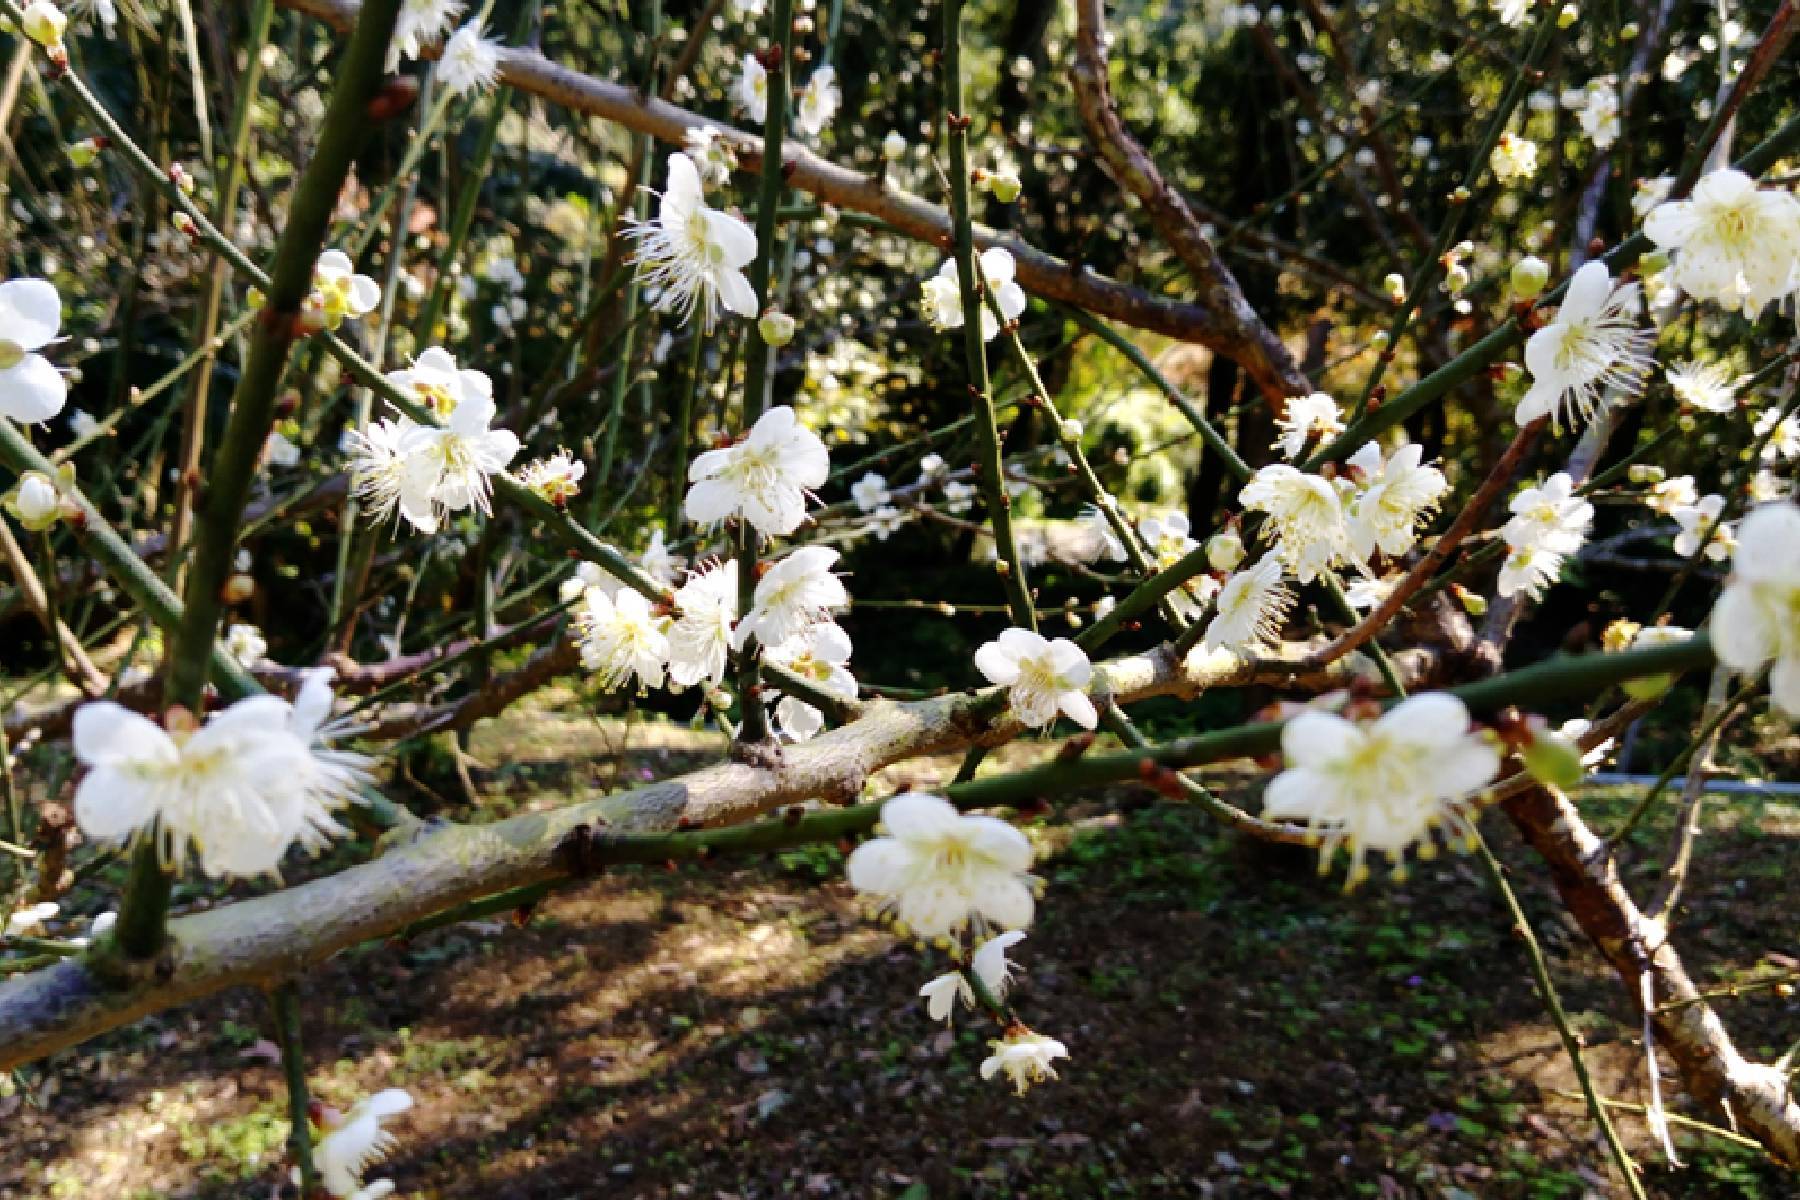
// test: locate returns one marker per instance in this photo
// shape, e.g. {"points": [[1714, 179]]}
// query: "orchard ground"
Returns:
{"points": [[1237, 1026]]}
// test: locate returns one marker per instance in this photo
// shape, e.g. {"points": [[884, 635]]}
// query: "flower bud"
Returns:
{"points": [[1003, 184], [1567, 16], [35, 501], [1225, 550], [1553, 759], [44, 23], [1379, 342], [1646, 473], [1071, 429], [239, 589], [1395, 284], [893, 147], [776, 327], [83, 153], [1529, 275]]}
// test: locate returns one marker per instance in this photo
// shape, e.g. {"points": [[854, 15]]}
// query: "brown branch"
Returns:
{"points": [[1242, 336], [1039, 273]]}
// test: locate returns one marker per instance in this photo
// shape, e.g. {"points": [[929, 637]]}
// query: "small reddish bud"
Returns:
{"points": [[397, 94]]}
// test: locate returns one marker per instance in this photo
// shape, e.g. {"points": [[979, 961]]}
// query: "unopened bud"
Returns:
{"points": [[239, 588], [1003, 185], [776, 327], [1224, 551], [1071, 429], [1553, 759], [1567, 16], [1395, 284], [44, 23], [83, 153], [1646, 473], [893, 147], [1529, 275]]}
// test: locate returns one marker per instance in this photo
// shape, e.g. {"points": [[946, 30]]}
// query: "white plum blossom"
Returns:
{"points": [[942, 993], [1042, 677], [31, 389], [751, 92], [621, 637], [1251, 607], [1782, 432], [338, 292], [1024, 1057], [556, 478], [1711, 386], [1306, 416], [870, 492], [886, 521], [700, 637], [958, 496], [693, 255], [1734, 244], [1305, 516], [1529, 570], [37, 502], [471, 61], [1593, 347], [444, 469], [1549, 523], [818, 102], [1513, 159], [764, 479], [1667, 495], [943, 294], [1703, 518], [246, 644], [990, 965], [1757, 618], [796, 593], [818, 655], [1166, 535], [353, 1142], [421, 22], [256, 778], [1396, 494], [939, 870], [658, 561], [1382, 785], [711, 154]]}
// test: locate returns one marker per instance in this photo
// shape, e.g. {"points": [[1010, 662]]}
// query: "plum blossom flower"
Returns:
{"points": [[1024, 1057], [797, 592], [1667, 495], [1306, 518], [1549, 523], [31, 390], [1593, 347], [353, 1142], [938, 870], [751, 92], [818, 102], [257, 777], [339, 293], [556, 478], [39, 501], [819, 655], [943, 294], [246, 644], [1703, 518], [711, 154], [1042, 677], [942, 993], [693, 255], [1734, 243], [870, 492], [764, 479], [621, 638], [1710, 386], [471, 61], [1757, 618], [1251, 607], [1305, 417], [700, 637], [449, 468], [421, 22], [990, 965], [1382, 785], [1397, 493]]}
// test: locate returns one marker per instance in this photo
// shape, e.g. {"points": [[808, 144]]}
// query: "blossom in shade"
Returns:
{"points": [[711, 155], [1757, 618], [31, 389], [1023, 1057], [338, 292], [1734, 244], [939, 870], [1702, 519], [1042, 677], [1594, 347], [691, 255], [870, 492], [819, 655], [764, 479], [1382, 785]]}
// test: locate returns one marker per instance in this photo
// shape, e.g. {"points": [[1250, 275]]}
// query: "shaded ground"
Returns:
{"points": [[1237, 1027]]}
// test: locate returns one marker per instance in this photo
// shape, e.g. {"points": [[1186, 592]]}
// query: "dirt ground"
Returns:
{"points": [[1237, 1028]]}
